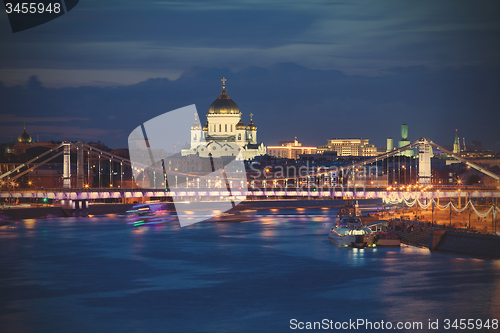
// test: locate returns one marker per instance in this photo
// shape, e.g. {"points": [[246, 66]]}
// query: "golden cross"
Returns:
{"points": [[251, 115], [223, 82]]}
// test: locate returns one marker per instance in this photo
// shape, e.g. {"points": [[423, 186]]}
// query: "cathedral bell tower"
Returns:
{"points": [[196, 133]]}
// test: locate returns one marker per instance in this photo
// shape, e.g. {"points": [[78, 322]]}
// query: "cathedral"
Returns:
{"points": [[224, 133]]}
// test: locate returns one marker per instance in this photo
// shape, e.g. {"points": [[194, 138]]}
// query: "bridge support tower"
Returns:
{"points": [[424, 162], [67, 164], [79, 165]]}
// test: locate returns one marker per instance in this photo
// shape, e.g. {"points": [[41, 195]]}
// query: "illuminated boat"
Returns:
{"points": [[149, 213], [350, 232]]}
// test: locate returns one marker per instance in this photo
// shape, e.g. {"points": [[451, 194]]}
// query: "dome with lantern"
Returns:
{"points": [[223, 104], [24, 137], [251, 126], [196, 125], [240, 125]]}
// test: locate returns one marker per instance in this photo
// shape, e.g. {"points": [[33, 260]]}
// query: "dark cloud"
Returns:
{"points": [[315, 70], [287, 100], [352, 36]]}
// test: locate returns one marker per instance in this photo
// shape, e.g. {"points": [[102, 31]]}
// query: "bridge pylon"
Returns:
{"points": [[424, 162], [79, 165], [67, 164]]}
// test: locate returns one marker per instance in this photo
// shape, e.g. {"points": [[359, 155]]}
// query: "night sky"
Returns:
{"points": [[312, 69]]}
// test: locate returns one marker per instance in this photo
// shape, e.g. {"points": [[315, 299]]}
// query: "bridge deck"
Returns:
{"points": [[85, 194]]}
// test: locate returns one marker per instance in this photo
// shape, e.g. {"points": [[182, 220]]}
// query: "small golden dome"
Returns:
{"points": [[205, 127], [24, 137], [251, 126], [240, 125], [196, 125]]}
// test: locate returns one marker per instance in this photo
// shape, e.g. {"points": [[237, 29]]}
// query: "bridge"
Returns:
{"points": [[340, 192], [344, 181]]}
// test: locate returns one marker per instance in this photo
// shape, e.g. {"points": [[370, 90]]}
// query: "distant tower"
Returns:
{"points": [[404, 132], [456, 144], [465, 148], [390, 144], [404, 141], [251, 131], [196, 133], [240, 131]]}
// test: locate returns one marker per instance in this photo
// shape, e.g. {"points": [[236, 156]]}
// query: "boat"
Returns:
{"points": [[349, 231], [149, 213], [385, 239]]}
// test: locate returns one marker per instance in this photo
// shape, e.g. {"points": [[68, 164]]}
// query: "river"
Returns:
{"points": [[272, 274]]}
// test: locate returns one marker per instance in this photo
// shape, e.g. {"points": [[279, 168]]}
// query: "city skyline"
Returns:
{"points": [[116, 137], [315, 71]]}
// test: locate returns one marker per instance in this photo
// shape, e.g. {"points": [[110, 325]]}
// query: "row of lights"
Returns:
{"points": [[417, 187], [11, 184]]}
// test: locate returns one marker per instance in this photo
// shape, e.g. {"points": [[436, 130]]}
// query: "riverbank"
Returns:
{"points": [[22, 213], [445, 238]]}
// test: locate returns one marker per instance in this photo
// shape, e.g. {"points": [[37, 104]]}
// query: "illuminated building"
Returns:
{"points": [[456, 143], [224, 133], [290, 150], [350, 147]]}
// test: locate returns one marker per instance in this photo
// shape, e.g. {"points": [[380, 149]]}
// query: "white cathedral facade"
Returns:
{"points": [[224, 133]]}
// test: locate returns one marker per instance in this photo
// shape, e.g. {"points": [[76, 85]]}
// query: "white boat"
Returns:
{"points": [[350, 232], [149, 213]]}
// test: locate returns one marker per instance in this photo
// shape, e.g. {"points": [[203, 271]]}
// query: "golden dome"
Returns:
{"points": [[251, 126], [224, 104], [24, 137], [205, 127], [240, 125], [196, 125]]}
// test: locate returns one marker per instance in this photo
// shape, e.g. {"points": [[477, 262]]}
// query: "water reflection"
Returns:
{"points": [[216, 277]]}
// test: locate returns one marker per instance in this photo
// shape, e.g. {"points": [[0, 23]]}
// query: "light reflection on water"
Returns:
{"points": [[99, 274]]}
